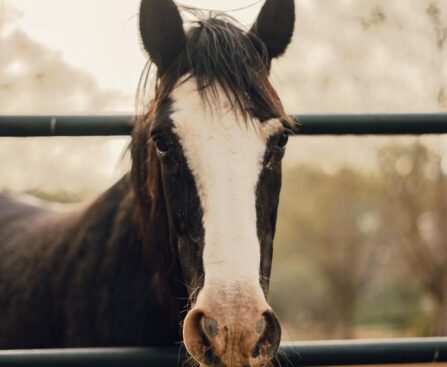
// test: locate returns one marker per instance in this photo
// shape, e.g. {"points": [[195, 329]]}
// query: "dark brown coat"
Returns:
{"points": [[83, 278]]}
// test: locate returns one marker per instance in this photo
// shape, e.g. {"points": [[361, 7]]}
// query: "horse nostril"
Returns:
{"points": [[194, 336], [269, 341], [257, 351], [209, 358], [210, 327], [199, 335]]}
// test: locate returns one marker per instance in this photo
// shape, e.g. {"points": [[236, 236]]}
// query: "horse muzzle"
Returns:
{"points": [[231, 329]]}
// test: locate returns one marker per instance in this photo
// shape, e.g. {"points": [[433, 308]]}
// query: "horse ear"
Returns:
{"points": [[162, 33], [274, 25]]}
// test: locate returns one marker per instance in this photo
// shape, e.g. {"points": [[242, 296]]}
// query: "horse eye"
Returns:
{"points": [[162, 144], [282, 140]]}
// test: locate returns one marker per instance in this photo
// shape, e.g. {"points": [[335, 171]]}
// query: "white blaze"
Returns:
{"points": [[225, 156]]}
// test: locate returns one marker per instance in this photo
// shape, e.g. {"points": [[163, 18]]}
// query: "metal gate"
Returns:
{"points": [[319, 353]]}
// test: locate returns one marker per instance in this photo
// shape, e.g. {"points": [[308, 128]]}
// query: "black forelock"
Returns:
{"points": [[220, 55]]}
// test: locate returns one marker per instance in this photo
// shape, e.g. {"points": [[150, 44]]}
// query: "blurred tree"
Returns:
{"points": [[337, 222], [35, 79], [415, 210]]}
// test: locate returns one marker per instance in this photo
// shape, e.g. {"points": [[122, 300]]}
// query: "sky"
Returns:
{"points": [[101, 36], [347, 56]]}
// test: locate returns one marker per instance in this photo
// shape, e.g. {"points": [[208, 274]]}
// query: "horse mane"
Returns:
{"points": [[221, 56]]}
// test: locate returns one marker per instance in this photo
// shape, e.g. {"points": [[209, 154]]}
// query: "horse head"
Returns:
{"points": [[217, 133]]}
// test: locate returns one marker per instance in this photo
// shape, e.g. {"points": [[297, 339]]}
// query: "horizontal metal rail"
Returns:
{"points": [[328, 353], [343, 124]]}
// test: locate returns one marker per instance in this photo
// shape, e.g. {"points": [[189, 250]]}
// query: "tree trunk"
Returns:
{"points": [[440, 325], [347, 320]]}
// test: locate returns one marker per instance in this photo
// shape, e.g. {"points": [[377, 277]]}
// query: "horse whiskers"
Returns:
{"points": [[191, 362], [190, 302], [284, 356], [194, 293]]}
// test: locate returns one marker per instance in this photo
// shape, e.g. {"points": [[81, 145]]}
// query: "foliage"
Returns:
{"points": [[357, 250]]}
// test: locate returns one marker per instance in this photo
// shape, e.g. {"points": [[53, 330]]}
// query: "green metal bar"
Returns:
{"points": [[32, 126], [360, 352], [368, 124], [373, 124], [94, 357], [322, 353]]}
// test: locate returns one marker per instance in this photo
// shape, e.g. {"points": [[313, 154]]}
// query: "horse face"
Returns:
{"points": [[221, 177]]}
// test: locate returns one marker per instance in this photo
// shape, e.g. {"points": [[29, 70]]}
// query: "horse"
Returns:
{"points": [[180, 248]]}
